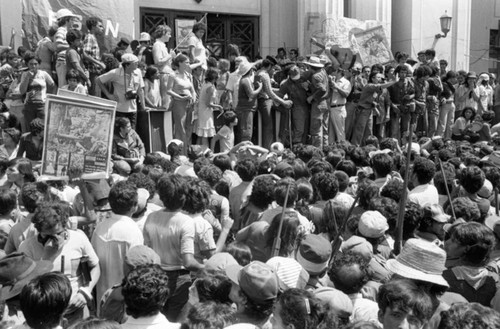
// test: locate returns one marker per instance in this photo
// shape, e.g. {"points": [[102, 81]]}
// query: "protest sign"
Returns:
{"points": [[78, 134]]}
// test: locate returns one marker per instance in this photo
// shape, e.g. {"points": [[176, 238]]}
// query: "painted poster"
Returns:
{"points": [[78, 134], [183, 28], [373, 46]]}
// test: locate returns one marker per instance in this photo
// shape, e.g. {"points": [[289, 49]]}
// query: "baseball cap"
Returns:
{"points": [[257, 280], [314, 253], [339, 302], [358, 245], [220, 261], [372, 224], [141, 255], [145, 37], [289, 271]]}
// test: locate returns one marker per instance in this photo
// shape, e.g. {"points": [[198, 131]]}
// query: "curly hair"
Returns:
{"points": [[424, 169], [367, 191], [161, 30], [145, 290], [199, 163], [441, 184], [303, 310], [327, 224], [210, 174], [223, 162], [209, 315], [280, 192], [359, 156], [464, 208], [412, 217], [469, 316], [241, 252], [348, 167], [197, 196], [388, 143], [349, 272], [317, 165], [262, 191], [325, 184], [493, 175], [140, 180], [246, 169], [49, 214], [472, 179], [213, 287], [382, 164]]}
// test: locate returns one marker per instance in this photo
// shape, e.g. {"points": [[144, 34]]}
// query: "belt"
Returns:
{"points": [[179, 272], [337, 105]]}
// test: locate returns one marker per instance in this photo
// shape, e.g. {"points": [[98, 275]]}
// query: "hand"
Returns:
{"points": [[172, 53], [288, 104], [309, 99], [259, 84], [75, 174], [13, 31], [305, 85], [102, 65], [78, 301], [89, 83]]}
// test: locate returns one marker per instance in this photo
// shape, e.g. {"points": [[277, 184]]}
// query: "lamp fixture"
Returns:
{"points": [[445, 22]]}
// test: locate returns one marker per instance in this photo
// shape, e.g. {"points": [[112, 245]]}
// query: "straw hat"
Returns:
{"points": [[61, 13], [244, 68], [315, 62], [145, 37], [420, 260]]}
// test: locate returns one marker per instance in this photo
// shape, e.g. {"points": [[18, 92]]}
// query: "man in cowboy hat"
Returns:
{"points": [[319, 87]]}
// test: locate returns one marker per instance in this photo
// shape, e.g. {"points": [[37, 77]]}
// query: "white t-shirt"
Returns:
{"points": [[133, 81]]}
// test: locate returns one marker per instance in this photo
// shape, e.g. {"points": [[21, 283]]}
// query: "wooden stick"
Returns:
{"points": [[277, 240], [398, 245], [496, 201], [447, 190]]}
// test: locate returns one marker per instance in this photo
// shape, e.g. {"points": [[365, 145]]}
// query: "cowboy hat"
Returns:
{"points": [[144, 37], [244, 68], [16, 270], [61, 13]]}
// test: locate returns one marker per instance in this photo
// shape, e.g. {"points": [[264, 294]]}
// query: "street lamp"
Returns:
{"points": [[445, 22]]}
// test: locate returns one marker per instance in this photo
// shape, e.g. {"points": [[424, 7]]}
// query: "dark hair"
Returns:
{"points": [[210, 174], [405, 295], [388, 208], [478, 239], [464, 208], [37, 126], [209, 315], [367, 191], [45, 299], [289, 233], [327, 224], [342, 179], [122, 197], [145, 290], [348, 167], [318, 165], [469, 316], [172, 190], [281, 189], [150, 71], [8, 201], [240, 251], [382, 164], [223, 162], [303, 310], [121, 122], [181, 58], [472, 179], [229, 117], [424, 169], [72, 74], [246, 169], [24, 167], [29, 55], [349, 272], [199, 26], [161, 30], [325, 184], [197, 196], [440, 183], [200, 163], [262, 192], [91, 22], [412, 217], [141, 180], [95, 323], [211, 75], [49, 214], [213, 287], [73, 35]]}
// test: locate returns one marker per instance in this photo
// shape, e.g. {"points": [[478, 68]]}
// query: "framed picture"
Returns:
{"points": [[183, 28], [373, 46], [78, 134]]}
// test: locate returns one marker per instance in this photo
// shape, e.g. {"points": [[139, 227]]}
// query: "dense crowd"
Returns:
{"points": [[376, 210]]}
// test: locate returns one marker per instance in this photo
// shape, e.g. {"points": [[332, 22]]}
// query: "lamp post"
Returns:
{"points": [[445, 22]]}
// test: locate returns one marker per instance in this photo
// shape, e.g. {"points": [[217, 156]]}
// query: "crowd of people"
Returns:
{"points": [[376, 209]]}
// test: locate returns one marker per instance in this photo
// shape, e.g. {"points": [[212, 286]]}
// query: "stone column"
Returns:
{"points": [[377, 10]]}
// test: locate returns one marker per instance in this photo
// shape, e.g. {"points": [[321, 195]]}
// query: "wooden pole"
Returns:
{"points": [[277, 240], [447, 190]]}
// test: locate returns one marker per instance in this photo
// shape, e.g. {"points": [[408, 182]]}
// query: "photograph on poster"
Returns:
{"points": [[78, 134]]}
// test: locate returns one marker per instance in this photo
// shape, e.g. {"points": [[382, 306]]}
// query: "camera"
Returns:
{"points": [[131, 94]]}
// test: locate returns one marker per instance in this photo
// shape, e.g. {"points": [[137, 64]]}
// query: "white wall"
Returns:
{"points": [[10, 17], [485, 17]]}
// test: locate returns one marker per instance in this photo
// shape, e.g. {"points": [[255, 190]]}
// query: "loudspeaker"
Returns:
{"points": [[155, 129]]}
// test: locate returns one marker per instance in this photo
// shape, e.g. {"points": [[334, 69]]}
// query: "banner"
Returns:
{"points": [[117, 17], [373, 47], [78, 134]]}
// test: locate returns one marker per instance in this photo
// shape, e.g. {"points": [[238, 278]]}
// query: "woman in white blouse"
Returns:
{"points": [[163, 59]]}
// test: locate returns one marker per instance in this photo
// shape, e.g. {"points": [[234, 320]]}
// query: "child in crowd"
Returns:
{"points": [[152, 95], [207, 104], [226, 134], [74, 83]]}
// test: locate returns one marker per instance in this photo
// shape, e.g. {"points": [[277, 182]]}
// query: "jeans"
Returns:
{"points": [[181, 117], [265, 109], [178, 287], [244, 128], [446, 119], [337, 124], [349, 120], [363, 126], [32, 111], [319, 124], [61, 72], [300, 123]]}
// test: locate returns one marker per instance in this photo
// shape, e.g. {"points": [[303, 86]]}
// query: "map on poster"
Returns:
{"points": [[78, 134], [373, 46]]}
